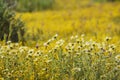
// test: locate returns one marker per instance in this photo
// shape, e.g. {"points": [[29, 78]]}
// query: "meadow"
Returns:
{"points": [[94, 21], [76, 59], [74, 41]]}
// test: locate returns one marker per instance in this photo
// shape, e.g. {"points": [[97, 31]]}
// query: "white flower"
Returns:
{"points": [[1, 56], [49, 41], [78, 53], [79, 47], [35, 60], [8, 42], [45, 44], [60, 42], [48, 61], [72, 37], [108, 38], [22, 49], [76, 69], [38, 53], [31, 51], [117, 67], [82, 35], [16, 44], [78, 41], [87, 43], [117, 58], [76, 36], [55, 36], [50, 51], [112, 46]]}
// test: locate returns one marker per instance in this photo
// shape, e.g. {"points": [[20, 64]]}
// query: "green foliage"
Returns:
{"points": [[10, 27], [34, 5]]}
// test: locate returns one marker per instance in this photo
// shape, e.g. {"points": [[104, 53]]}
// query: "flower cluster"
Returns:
{"points": [[68, 58]]}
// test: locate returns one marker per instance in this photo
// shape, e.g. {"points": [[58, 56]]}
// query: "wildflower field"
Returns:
{"points": [[95, 21], [75, 41]]}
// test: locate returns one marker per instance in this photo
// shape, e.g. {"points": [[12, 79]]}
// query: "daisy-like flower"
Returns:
{"points": [[112, 46], [23, 48], [87, 43], [108, 38], [9, 75], [60, 42], [72, 37], [55, 36], [38, 53], [76, 36], [49, 41], [78, 53], [16, 44], [118, 67], [117, 58], [45, 44], [78, 41], [79, 47], [50, 51], [8, 42], [76, 69], [31, 51], [48, 61], [5, 71], [82, 35]]}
